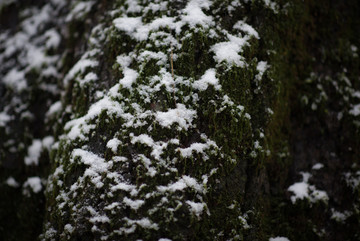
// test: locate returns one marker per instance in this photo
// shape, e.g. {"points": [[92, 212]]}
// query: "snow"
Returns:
{"points": [[146, 55], [206, 79], [229, 51], [99, 219], [112, 206], [36, 57], [77, 126], [133, 7], [15, 80], [69, 228], [79, 67], [123, 60], [352, 179], [196, 208], [53, 39], [181, 184], [279, 239], [97, 165], [143, 138], [134, 27], [123, 186], [113, 144], [128, 24], [89, 77], [272, 5], [47, 142], [340, 216], [4, 118], [302, 190], [261, 68], [356, 94], [162, 22], [134, 204], [317, 166], [12, 182], [79, 10], [34, 183], [144, 223], [241, 25], [54, 108], [34, 23], [355, 111], [6, 2], [197, 147], [129, 78], [181, 115], [193, 14], [34, 152]]}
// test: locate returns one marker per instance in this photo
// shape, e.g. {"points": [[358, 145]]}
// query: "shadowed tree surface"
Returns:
{"points": [[179, 120]]}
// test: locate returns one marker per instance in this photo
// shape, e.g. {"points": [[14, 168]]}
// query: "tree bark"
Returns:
{"points": [[179, 120]]}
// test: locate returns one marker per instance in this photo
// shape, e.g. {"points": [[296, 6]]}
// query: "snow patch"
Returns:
{"points": [[261, 67], [181, 115], [113, 144], [134, 204], [4, 118], [129, 78], [229, 51], [208, 78], [193, 14], [181, 184], [355, 111], [279, 239], [302, 190], [15, 80], [12, 182], [97, 165], [34, 152], [34, 183], [196, 208], [317, 166], [241, 25]]}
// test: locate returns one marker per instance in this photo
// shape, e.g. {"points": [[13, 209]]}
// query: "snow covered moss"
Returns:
{"points": [[158, 147]]}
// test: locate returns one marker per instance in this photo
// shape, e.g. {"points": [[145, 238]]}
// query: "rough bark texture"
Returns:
{"points": [[101, 139]]}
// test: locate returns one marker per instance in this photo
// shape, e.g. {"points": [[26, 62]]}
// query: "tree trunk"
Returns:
{"points": [[179, 120]]}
